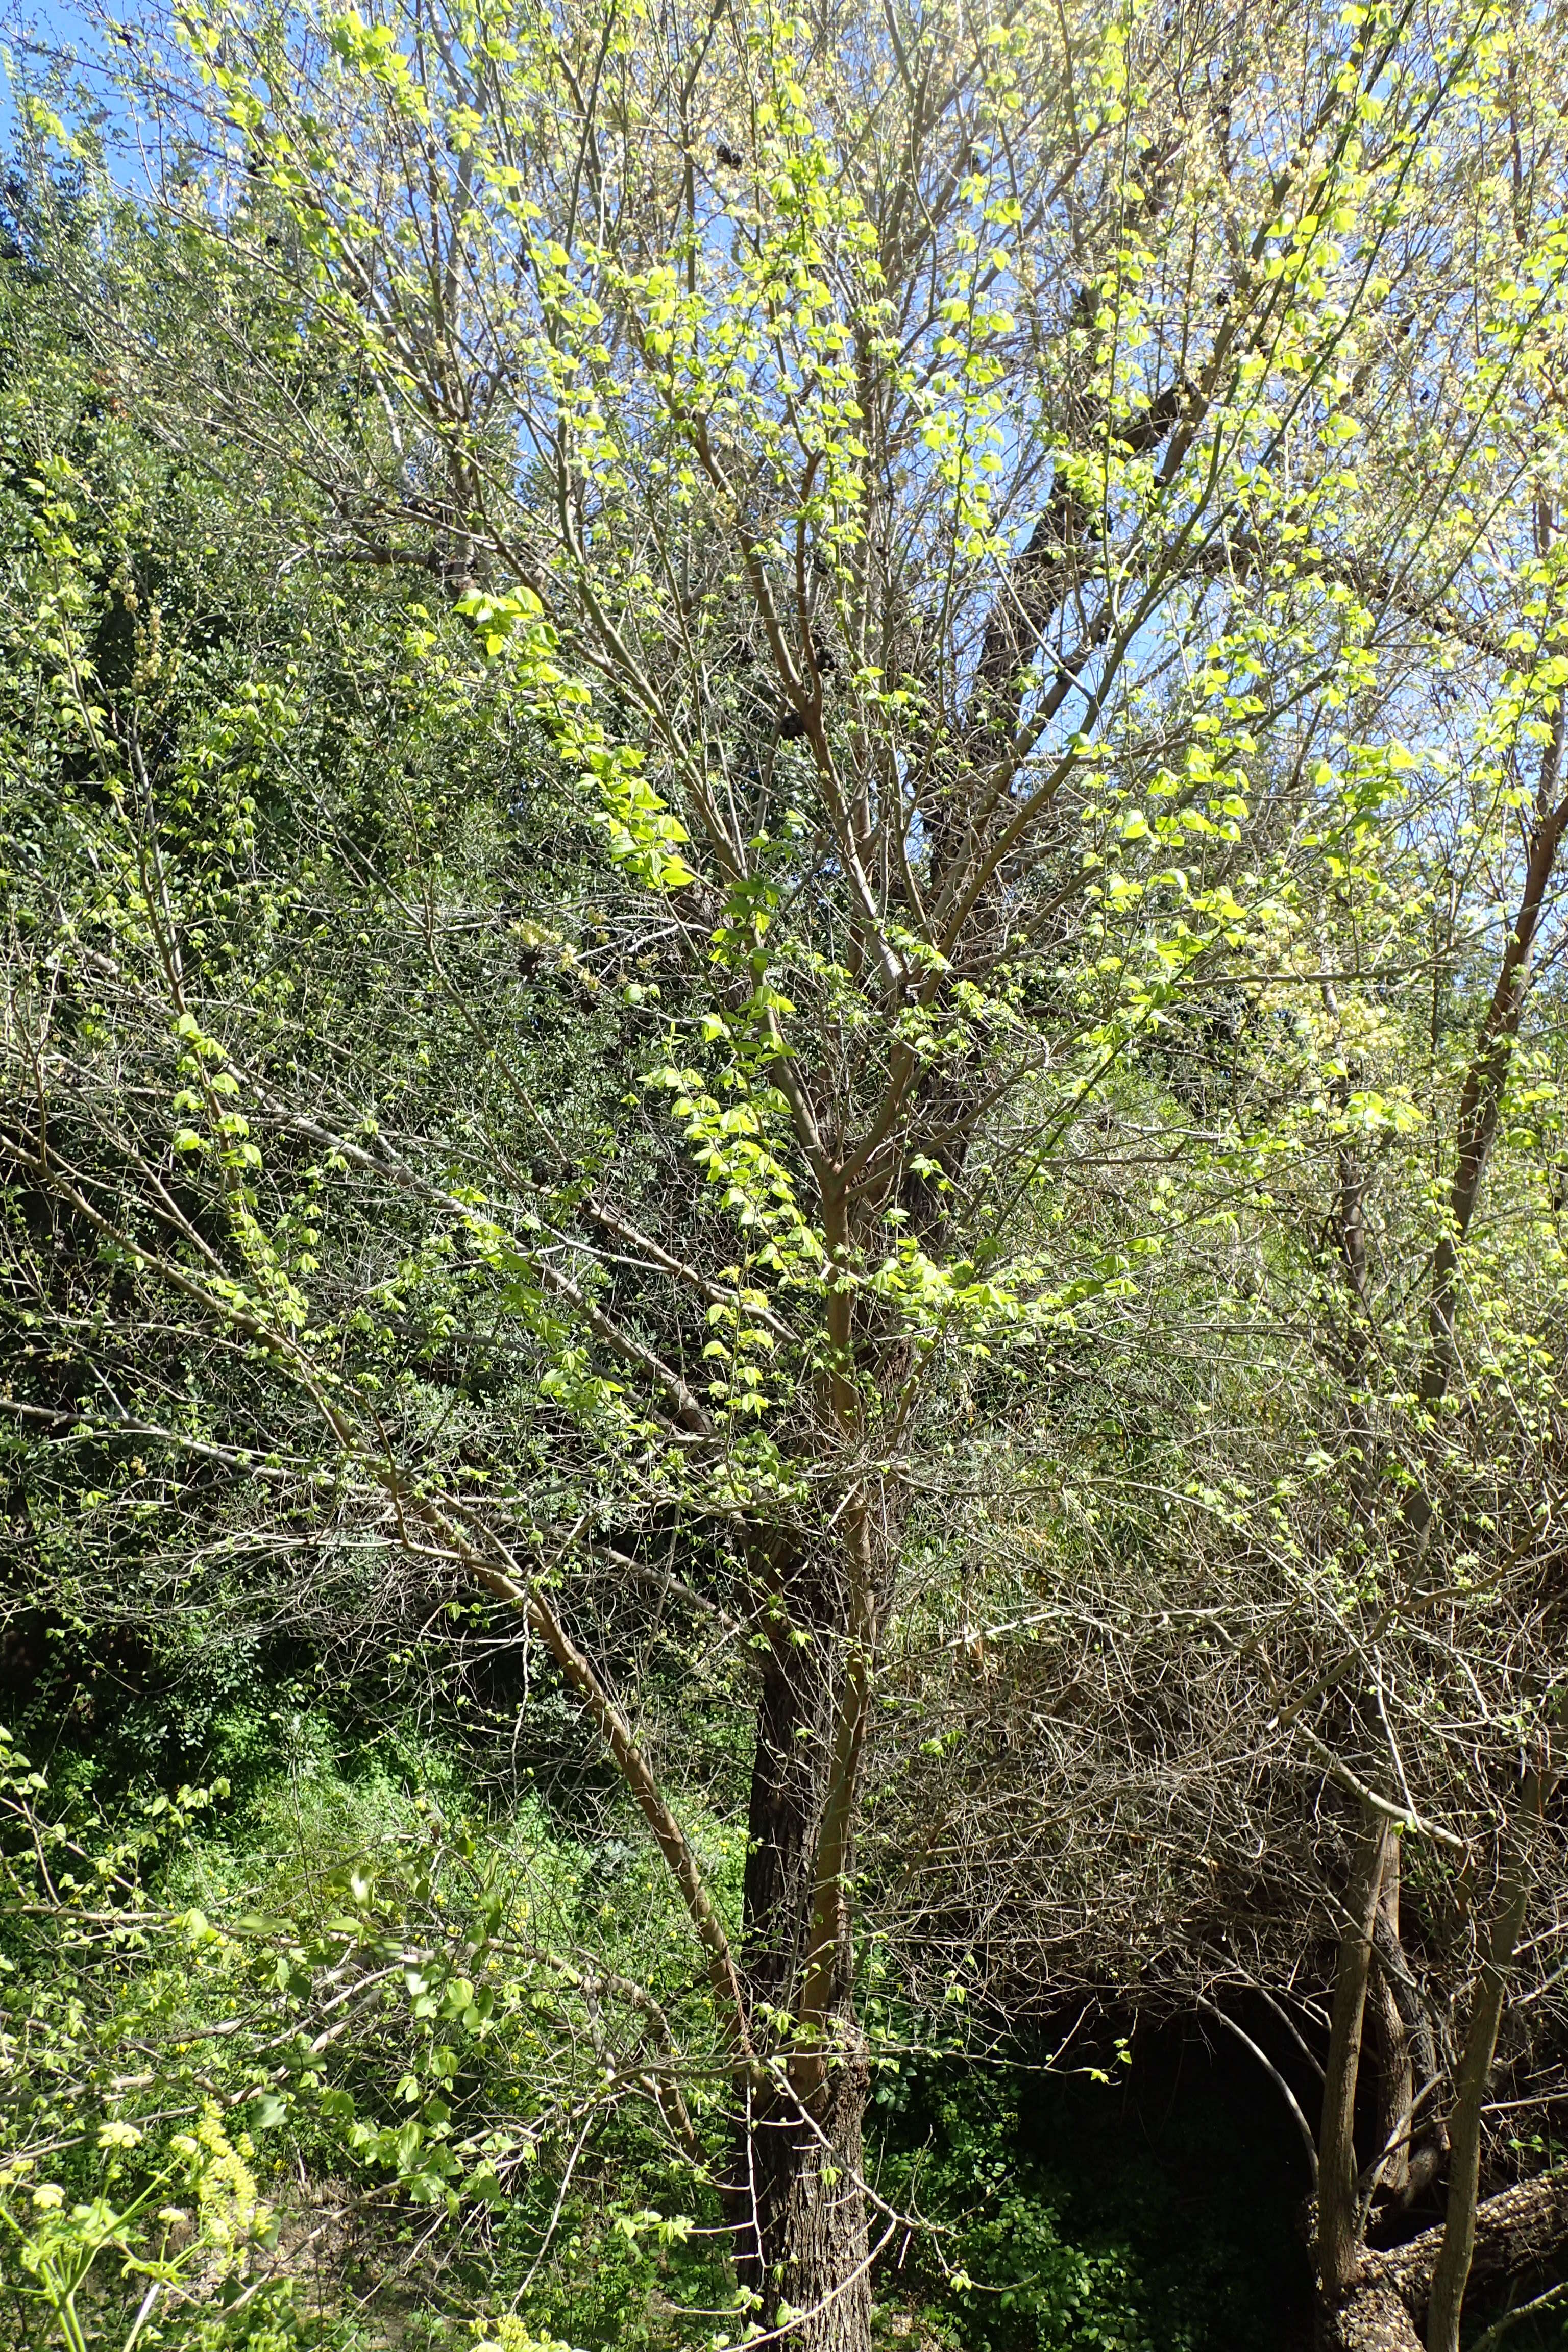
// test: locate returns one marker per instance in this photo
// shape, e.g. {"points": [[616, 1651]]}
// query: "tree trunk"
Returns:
{"points": [[1452, 2270], [1395, 2073], [804, 2208], [1428, 2152], [1339, 2231], [1371, 2318], [1522, 2228], [797, 2198], [778, 1824]]}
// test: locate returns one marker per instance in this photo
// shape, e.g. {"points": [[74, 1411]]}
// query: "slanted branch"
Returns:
{"points": [[1519, 2233]]}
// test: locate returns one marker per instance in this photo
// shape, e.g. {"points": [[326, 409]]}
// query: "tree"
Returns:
{"points": [[901, 477], [1348, 1573], [1524, 1775]]}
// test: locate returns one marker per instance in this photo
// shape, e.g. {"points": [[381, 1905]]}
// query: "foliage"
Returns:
{"points": [[1046, 2244], [781, 1054]]}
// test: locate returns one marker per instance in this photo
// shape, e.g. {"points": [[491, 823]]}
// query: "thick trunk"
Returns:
{"points": [[1522, 2231], [798, 2199], [802, 2219], [778, 1826], [1371, 2318]]}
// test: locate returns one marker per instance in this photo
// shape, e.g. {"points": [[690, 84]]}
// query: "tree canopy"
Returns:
{"points": [[783, 1039]]}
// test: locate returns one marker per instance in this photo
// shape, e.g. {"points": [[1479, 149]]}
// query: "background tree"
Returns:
{"points": [[1355, 1525]]}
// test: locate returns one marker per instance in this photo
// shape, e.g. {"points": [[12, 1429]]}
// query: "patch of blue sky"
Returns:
{"points": [[47, 37]]}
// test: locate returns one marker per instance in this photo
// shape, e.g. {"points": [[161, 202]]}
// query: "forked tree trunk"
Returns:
{"points": [[1374, 2303]]}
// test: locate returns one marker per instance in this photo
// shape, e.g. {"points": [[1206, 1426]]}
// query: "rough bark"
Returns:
{"points": [[778, 1823], [1339, 2231], [1371, 2318], [1395, 2072], [1428, 2151], [798, 2202], [1522, 2229], [806, 2210]]}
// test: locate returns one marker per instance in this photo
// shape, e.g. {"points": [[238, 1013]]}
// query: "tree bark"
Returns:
{"points": [[778, 1822], [1452, 2271], [798, 2199], [1395, 2072], [1522, 2228], [1339, 2231], [1428, 2149], [807, 2249], [1371, 2318]]}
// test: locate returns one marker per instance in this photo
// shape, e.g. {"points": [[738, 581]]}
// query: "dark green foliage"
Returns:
{"points": [[1094, 2211]]}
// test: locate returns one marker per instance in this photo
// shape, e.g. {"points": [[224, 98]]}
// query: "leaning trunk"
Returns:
{"points": [[1452, 2271]]}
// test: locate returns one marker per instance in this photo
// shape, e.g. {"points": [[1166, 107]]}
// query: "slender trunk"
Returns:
{"points": [[1371, 2318], [1339, 2201], [1453, 2270], [1395, 2073], [1480, 1103]]}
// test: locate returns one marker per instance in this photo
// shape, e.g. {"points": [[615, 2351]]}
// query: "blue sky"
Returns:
{"points": [[47, 23]]}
